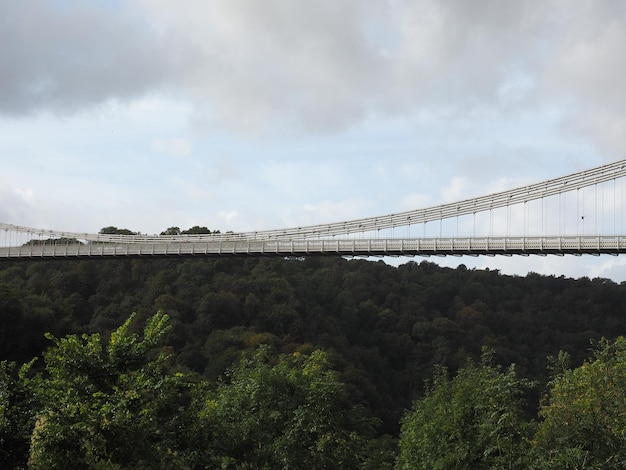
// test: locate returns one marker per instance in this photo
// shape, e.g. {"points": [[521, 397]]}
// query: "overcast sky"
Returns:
{"points": [[247, 115]]}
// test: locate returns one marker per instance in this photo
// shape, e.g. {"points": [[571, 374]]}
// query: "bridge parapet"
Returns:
{"points": [[575, 245]]}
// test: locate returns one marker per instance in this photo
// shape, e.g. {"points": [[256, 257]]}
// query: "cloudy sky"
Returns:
{"points": [[248, 115]]}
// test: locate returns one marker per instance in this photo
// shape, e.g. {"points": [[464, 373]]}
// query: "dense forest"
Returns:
{"points": [[382, 347]]}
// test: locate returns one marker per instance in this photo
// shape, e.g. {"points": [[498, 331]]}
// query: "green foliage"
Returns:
{"points": [[22, 315], [53, 241], [171, 231], [197, 230], [108, 404], [381, 453], [289, 415], [18, 404], [584, 422], [111, 230], [473, 421]]}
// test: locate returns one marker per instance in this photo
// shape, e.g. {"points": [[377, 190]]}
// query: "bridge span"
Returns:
{"points": [[580, 213], [490, 246]]}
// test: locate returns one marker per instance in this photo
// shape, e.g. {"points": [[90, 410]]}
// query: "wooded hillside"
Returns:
{"points": [[385, 329]]}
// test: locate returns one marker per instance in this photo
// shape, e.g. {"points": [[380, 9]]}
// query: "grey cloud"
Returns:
{"points": [[328, 65], [70, 55], [587, 73], [323, 65], [285, 61]]}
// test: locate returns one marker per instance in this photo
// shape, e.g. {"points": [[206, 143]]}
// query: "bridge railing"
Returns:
{"points": [[343, 247]]}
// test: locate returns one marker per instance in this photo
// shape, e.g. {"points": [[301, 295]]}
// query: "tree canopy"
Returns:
{"points": [[107, 403], [584, 421], [114, 403], [472, 421], [292, 414]]}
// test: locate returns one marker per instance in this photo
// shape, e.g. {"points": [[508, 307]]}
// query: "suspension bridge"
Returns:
{"points": [[580, 213]]}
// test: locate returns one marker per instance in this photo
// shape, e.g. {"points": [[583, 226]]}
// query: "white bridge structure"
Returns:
{"points": [[580, 213]]}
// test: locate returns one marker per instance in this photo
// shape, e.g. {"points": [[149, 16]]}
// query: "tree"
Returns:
{"points": [[171, 231], [473, 421], [111, 230], [13, 324], [109, 404], [197, 230], [289, 415], [18, 403], [584, 422]]}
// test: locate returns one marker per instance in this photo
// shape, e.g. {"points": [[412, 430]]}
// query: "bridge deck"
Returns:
{"points": [[345, 247]]}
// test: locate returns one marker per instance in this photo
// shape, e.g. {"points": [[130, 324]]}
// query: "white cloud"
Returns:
{"points": [[414, 201], [457, 189], [174, 147], [325, 65], [327, 211], [228, 217]]}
